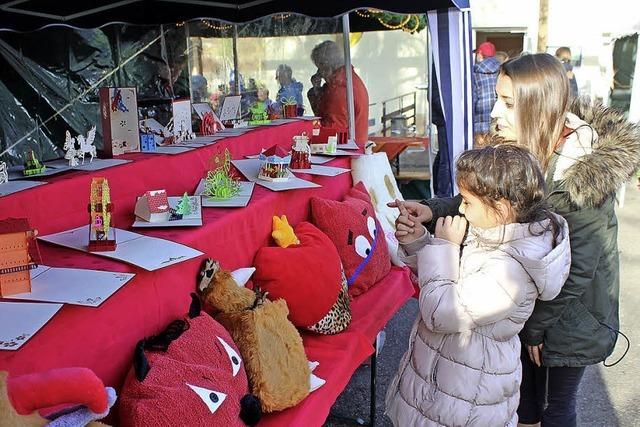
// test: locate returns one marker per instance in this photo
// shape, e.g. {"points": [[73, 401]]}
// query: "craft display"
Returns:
{"points": [[22, 396], [155, 209], [271, 347], [102, 236], [153, 206], [275, 165], [259, 114], [221, 183], [86, 147], [189, 374], [354, 229], [230, 108], [330, 147], [210, 124], [289, 107], [17, 249], [119, 119], [250, 168], [4, 174], [375, 174], [300, 152], [161, 135], [32, 166], [316, 292], [182, 128]]}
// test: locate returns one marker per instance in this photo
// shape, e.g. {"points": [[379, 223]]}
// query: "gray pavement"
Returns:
{"points": [[607, 396]]}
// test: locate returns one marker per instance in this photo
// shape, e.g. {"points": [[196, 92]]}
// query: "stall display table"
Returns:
{"points": [[103, 338]]}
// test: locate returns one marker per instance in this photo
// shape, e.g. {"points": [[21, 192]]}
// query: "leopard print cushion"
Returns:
{"points": [[339, 317]]}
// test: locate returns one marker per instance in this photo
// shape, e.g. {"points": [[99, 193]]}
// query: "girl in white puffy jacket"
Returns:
{"points": [[477, 289]]}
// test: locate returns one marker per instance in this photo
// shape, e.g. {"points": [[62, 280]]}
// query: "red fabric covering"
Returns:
{"points": [[340, 355], [332, 105], [196, 358], [307, 276], [353, 228], [75, 386], [103, 339]]}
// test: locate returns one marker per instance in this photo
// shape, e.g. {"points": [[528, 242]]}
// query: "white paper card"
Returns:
{"points": [[322, 170], [202, 108], [15, 186], [194, 219], [149, 253], [20, 321], [170, 149], [230, 107], [251, 167], [73, 286], [182, 116], [239, 201]]}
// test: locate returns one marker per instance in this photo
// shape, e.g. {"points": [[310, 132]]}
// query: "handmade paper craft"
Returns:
{"points": [[240, 200], [86, 144], [73, 286], [33, 166], [15, 186], [202, 108], [133, 248], [220, 182], [300, 152], [95, 165], [230, 108], [250, 168], [337, 153], [119, 118], [182, 211], [13, 334], [182, 129], [4, 173], [275, 165], [153, 206], [160, 133], [259, 115], [18, 254], [70, 150], [322, 170], [101, 234]]}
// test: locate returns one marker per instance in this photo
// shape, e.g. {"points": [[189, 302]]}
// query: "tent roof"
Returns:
{"points": [[29, 15]]}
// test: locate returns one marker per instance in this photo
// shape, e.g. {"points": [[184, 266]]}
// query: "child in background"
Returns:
{"points": [[477, 289]]}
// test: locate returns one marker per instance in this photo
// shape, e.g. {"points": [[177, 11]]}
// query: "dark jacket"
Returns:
{"points": [[578, 327], [485, 75]]}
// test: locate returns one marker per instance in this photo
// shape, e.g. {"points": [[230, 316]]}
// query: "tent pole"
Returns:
{"points": [[236, 73], [430, 117], [347, 64]]}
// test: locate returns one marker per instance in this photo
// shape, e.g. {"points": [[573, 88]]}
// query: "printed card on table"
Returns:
{"points": [[322, 170], [230, 108], [19, 321], [182, 116], [251, 167], [239, 201], [193, 219]]}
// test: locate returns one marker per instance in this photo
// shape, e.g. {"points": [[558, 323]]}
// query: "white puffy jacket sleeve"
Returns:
{"points": [[451, 303]]}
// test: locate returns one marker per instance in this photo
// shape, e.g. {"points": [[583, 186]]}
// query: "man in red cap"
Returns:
{"points": [[485, 75]]}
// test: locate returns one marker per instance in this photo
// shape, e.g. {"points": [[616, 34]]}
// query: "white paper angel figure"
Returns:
{"points": [[4, 175], [86, 145], [70, 150]]}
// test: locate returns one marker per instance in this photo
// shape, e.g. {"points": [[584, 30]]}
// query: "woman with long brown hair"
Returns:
{"points": [[586, 152]]}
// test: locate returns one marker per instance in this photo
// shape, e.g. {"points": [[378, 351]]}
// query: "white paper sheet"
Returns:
{"points": [[181, 116], [194, 219], [322, 170], [309, 118], [251, 167], [19, 321], [239, 201], [94, 165], [15, 186], [170, 149], [230, 107], [149, 253], [73, 286], [201, 108]]}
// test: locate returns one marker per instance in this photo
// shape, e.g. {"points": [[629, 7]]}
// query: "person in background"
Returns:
{"points": [[329, 100], [485, 75], [564, 55], [290, 88], [199, 88], [502, 56], [263, 96]]}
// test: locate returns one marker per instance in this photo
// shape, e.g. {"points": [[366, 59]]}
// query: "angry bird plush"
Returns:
{"points": [[354, 229], [189, 374], [283, 233], [271, 347]]}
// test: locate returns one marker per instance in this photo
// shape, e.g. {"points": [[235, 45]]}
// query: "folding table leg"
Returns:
{"points": [[372, 395]]}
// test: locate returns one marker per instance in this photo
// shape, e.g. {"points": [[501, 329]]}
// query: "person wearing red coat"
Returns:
{"points": [[329, 101]]}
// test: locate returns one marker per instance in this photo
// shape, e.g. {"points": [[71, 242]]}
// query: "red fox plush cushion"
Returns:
{"points": [[308, 276], [354, 229]]}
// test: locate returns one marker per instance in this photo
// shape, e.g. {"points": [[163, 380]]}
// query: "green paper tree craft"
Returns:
{"points": [[219, 183], [184, 205]]}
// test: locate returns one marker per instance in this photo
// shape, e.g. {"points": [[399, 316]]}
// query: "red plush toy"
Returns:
{"points": [[190, 374], [355, 231], [308, 276]]}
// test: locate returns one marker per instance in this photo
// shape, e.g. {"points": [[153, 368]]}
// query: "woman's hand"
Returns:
{"points": [[452, 229], [535, 353], [417, 211], [408, 228]]}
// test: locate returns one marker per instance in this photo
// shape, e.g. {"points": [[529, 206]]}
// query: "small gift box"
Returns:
{"points": [[289, 108]]}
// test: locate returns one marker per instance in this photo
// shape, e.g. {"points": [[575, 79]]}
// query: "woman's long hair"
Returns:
{"points": [[541, 100]]}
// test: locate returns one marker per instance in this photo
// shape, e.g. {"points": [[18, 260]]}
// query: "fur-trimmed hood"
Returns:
{"points": [[613, 157]]}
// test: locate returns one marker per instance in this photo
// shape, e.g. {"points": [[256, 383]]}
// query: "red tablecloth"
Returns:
{"points": [[103, 338]]}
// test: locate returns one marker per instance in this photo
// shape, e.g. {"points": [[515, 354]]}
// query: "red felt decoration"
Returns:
{"points": [[354, 229], [307, 276]]}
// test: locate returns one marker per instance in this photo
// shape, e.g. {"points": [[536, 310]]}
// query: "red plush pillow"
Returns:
{"points": [[307, 276], [354, 229]]}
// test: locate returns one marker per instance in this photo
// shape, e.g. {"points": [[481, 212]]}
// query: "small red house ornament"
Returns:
{"points": [[16, 237]]}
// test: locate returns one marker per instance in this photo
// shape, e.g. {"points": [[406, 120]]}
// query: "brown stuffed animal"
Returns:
{"points": [[271, 347]]}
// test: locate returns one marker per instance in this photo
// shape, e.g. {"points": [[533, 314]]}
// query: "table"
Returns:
{"points": [[104, 338], [393, 146]]}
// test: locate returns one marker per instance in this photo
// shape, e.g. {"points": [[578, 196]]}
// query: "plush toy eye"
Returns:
{"points": [[213, 399], [233, 356], [363, 247], [371, 225]]}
